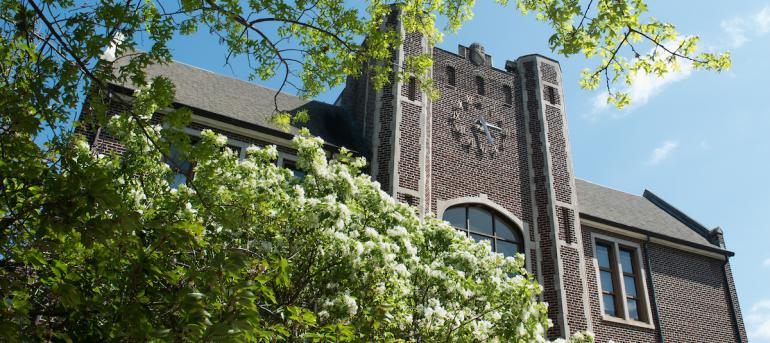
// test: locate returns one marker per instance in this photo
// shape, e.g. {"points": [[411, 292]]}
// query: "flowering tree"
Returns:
{"points": [[246, 251]]}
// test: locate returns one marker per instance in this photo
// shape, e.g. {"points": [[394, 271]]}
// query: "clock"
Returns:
{"points": [[471, 128]]}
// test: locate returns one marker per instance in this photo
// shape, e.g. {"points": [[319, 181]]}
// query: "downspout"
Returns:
{"points": [[656, 314], [733, 316]]}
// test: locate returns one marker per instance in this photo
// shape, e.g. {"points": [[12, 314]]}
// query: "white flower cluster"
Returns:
{"points": [[359, 256]]}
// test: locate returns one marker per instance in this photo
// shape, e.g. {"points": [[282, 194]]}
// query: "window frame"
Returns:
{"points": [[507, 95], [286, 160], [481, 87], [621, 296], [450, 70], [231, 142], [495, 216], [411, 89]]}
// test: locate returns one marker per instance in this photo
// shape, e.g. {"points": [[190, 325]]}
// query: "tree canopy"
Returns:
{"points": [[104, 248]]}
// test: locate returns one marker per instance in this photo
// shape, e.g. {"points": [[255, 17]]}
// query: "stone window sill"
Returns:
{"points": [[413, 102], [631, 322]]}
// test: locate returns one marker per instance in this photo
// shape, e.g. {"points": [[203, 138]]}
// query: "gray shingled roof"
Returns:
{"points": [[247, 102], [633, 210]]}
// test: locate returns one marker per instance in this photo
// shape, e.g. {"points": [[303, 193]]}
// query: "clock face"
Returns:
{"points": [[471, 128]]}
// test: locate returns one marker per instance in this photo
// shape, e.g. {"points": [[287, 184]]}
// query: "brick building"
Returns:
{"points": [[492, 157]]}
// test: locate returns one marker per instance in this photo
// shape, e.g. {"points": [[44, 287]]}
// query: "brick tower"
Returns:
{"points": [[495, 137]]}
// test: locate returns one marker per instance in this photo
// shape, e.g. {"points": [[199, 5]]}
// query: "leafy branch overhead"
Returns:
{"points": [[623, 38]]}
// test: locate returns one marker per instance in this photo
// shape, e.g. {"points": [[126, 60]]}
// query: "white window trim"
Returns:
{"points": [[230, 141], [644, 296], [282, 157]]}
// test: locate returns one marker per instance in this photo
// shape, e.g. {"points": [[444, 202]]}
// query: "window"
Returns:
{"points": [[484, 224], [183, 168], [292, 165], [552, 95], [621, 282], [450, 76], [412, 88], [508, 94], [480, 85], [609, 295], [630, 280]]}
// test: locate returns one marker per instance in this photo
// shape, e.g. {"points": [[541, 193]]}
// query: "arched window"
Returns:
{"points": [[485, 224]]}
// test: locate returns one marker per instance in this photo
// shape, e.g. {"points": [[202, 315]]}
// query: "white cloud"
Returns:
{"points": [[740, 30], [663, 152], [735, 31], [644, 87], [766, 262], [762, 20], [758, 320]]}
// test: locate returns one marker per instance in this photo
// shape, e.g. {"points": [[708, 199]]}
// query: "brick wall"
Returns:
{"points": [[691, 296]]}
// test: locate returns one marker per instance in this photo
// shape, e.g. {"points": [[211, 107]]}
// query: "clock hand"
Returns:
{"points": [[486, 129]]}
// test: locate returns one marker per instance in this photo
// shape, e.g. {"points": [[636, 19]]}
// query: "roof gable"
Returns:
{"points": [[648, 213]]}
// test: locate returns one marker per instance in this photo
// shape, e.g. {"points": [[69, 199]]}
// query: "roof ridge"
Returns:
{"points": [[678, 215]]}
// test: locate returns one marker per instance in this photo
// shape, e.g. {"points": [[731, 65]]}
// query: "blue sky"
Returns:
{"points": [[700, 140]]}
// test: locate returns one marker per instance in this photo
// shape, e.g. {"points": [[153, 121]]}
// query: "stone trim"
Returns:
{"points": [[548, 165], [642, 275], [632, 234]]}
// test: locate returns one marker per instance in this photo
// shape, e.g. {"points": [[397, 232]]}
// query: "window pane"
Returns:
{"points": [[479, 220], [607, 282], [609, 305], [178, 180], [633, 311], [507, 248], [630, 284], [292, 165], [625, 261], [180, 167], [603, 255], [480, 238], [456, 217], [503, 230]]}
